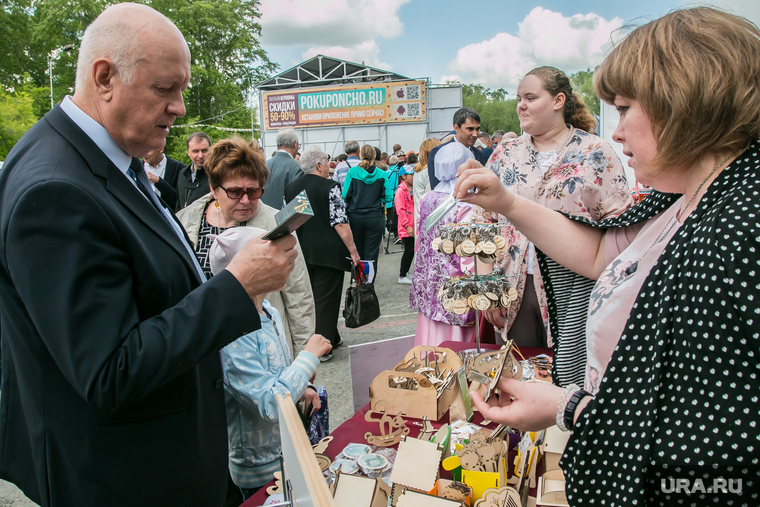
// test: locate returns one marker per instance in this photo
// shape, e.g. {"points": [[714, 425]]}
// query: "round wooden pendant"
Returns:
{"points": [[468, 247], [447, 246], [436, 244], [500, 242], [482, 303], [512, 293], [489, 248], [459, 306]]}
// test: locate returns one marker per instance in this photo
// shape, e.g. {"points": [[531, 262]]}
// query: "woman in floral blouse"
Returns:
{"points": [[559, 165]]}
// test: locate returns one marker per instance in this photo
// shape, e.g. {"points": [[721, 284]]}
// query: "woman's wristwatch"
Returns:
{"points": [[567, 406]]}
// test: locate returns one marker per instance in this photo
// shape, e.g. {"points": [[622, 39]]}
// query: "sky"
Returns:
{"points": [[490, 43]]}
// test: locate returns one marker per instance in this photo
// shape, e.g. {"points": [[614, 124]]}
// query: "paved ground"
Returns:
{"points": [[397, 319]]}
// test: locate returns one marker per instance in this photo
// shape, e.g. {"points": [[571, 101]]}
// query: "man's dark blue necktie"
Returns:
{"points": [[136, 171]]}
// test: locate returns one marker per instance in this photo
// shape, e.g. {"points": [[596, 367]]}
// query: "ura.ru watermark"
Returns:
{"points": [[718, 485]]}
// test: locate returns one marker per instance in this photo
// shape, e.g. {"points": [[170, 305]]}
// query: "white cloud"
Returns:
{"points": [[544, 38], [749, 9], [329, 23], [365, 52]]}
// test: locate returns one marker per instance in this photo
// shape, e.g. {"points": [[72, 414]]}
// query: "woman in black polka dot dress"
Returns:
{"points": [[670, 410]]}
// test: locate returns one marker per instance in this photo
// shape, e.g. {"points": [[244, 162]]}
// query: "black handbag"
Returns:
{"points": [[361, 306]]}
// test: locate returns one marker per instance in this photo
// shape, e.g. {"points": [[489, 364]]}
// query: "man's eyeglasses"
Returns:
{"points": [[236, 193]]}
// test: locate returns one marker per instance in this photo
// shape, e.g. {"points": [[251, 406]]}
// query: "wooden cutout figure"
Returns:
{"points": [[502, 497], [480, 437], [391, 428], [458, 491], [321, 446], [512, 367], [323, 461], [470, 461], [485, 363], [277, 488], [487, 453], [427, 431]]}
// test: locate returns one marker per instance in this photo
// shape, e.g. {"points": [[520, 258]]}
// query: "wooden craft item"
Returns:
{"points": [[502, 497], [391, 428], [416, 465], [409, 498], [427, 431], [457, 491], [471, 461], [551, 488], [358, 491], [415, 395], [512, 368], [323, 461], [321, 446], [277, 488]]}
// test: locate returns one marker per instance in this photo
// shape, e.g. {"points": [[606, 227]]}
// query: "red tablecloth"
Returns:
{"points": [[354, 429]]}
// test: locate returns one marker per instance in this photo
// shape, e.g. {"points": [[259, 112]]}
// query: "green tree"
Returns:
{"points": [[223, 36], [16, 117], [497, 112], [583, 83]]}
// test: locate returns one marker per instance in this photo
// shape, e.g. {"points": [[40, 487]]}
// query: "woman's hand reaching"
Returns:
{"points": [[528, 406], [489, 193]]}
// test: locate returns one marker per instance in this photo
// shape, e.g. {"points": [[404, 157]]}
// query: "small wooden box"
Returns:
{"points": [[424, 400]]}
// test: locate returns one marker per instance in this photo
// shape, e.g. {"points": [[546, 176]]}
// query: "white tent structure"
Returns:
{"points": [[331, 101]]}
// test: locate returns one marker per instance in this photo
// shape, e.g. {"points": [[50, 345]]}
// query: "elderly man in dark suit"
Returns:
{"points": [[283, 168], [112, 382]]}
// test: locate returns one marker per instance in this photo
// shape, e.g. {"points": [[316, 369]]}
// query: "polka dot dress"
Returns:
{"points": [[676, 419]]}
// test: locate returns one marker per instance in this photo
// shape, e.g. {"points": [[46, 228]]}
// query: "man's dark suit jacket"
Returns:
{"points": [[189, 191], [282, 170], [168, 184], [112, 382], [431, 161]]}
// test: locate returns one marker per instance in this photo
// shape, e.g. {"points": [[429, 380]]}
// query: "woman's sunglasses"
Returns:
{"points": [[236, 193]]}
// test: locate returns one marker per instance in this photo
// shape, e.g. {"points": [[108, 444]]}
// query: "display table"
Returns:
{"points": [[354, 429]]}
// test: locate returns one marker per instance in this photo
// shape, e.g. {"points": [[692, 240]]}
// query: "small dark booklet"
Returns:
{"points": [[291, 217]]}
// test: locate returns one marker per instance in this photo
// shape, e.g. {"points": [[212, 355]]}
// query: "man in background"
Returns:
{"points": [[496, 138], [466, 132], [352, 159], [487, 148], [283, 169], [162, 173], [192, 183]]}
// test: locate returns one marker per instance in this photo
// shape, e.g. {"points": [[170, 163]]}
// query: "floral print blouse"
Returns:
{"points": [[586, 179]]}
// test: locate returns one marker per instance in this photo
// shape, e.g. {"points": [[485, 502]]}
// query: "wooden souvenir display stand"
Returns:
{"points": [[482, 241]]}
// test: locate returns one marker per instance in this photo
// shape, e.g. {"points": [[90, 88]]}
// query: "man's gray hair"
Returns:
{"points": [[351, 147], [310, 157], [287, 138], [497, 134], [116, 41], [393, 160]]}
